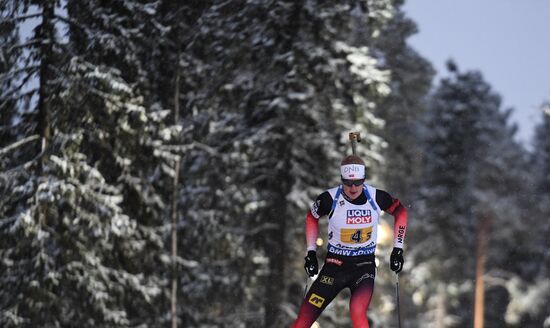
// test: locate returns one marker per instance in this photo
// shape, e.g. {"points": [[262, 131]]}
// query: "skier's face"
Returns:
{"points": [[353, 191]]}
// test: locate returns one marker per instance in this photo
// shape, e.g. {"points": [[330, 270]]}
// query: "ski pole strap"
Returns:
{"points": [[335, 201], [369, 198]]}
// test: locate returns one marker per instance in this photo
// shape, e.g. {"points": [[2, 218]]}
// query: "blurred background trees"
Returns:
{"points": [[122, 122]]}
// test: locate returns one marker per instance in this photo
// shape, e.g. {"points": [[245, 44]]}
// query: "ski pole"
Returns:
{"points": [[305, 288], [397, 300]]}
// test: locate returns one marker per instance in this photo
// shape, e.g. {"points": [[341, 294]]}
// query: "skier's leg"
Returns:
{"points": [[327, 285], [306, 316], [316, 300], [361, 295]]}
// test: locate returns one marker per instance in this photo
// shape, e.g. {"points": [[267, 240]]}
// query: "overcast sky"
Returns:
{"points": [[507, 40]]}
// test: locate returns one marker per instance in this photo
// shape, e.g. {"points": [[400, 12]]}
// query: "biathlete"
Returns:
{"points": [[353, 209]]}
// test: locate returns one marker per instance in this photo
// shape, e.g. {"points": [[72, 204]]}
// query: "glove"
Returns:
{"points": [[396, 260], [311, 265]]}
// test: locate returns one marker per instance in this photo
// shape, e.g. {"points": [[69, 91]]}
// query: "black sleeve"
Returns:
{"points": [[383, 199], [322, 205]]}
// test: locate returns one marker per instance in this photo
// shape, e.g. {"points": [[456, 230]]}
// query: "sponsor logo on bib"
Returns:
{"points": [[358, 216]]}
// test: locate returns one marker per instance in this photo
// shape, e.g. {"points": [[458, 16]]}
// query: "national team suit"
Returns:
{"points": [[352, 232]]}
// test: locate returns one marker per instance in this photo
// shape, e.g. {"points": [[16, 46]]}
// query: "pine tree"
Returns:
{"points": [[8, 59], [293, 73], [472, 163], [10, 95], [401, 169], [535, 291], [541, 165], [25, 213], [11, 151], [82, 231], [175, 76], [256, 76], [403, 109], [134, 152]]}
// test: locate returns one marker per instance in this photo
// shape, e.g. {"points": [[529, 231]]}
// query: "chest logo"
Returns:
{"points": [[358, 217]]}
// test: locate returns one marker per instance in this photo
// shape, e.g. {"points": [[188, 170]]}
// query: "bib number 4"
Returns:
{"points": [[356, 236]]}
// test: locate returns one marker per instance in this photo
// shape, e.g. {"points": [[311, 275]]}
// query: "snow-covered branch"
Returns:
{"points": [[19, 143]]}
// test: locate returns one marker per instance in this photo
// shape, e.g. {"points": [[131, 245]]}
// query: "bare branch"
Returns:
{"points": [[9, 93], [23, 17], [22, 45], [24, 166], [19, 143], [12, 73]]}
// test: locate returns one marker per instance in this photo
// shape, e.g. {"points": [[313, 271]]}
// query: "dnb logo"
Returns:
{"points": [[359, 217], [316, 300]]}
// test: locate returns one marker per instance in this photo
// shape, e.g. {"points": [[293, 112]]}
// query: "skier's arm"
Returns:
{"points": [[394, 207], [312, 231], [320, 207], [399, 213]]}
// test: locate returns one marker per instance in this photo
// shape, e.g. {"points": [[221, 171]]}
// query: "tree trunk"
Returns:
{"points": [[46, 34], [479, 302], [276, 244], [276, 283], [441, 307], [174, 217]]}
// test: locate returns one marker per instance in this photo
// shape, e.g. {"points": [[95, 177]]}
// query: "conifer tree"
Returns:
{"points": [[280, 85], [8, 76], [13, 144], [401, 169], [208, 261], [537, 287], [253, 77], [472, 162], [26, 247], [403, 109], [541, 159], [133, 152], [81, 226]]}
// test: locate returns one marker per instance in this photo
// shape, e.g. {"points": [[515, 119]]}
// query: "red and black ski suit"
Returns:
{"points": [[349, 262]]}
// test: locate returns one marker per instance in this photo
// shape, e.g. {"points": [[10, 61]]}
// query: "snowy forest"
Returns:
{"points": [[158, 159]]}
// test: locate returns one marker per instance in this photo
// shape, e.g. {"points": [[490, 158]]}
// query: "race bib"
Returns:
{"points": [[355, 236]]}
